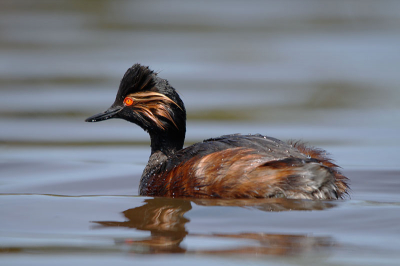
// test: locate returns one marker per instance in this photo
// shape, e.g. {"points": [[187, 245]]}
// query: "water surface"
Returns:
{"points": [[325, 73]]}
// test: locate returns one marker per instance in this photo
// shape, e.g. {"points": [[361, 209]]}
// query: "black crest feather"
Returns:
{"points": [[136, 78]]}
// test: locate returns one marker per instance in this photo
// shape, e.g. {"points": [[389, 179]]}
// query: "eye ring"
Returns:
{"points": [[128, 101]]}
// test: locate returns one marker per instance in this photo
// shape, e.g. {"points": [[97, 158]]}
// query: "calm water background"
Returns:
{"points": [[326, 72]]}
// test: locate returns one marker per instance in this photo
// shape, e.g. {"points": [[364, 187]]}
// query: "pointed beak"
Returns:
{"points": [[112, 112]]}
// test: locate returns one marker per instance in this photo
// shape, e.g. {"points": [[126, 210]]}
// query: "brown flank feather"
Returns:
{"points": [[244, 173]]}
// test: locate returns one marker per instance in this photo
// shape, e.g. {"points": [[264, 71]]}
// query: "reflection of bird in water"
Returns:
{"points": [[164, 218], [231, 166]]}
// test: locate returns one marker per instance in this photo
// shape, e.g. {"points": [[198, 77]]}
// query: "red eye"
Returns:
{"points": [[128, 101]]}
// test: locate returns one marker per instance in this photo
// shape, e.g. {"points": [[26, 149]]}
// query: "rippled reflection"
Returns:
{"points": [[164, 219]]}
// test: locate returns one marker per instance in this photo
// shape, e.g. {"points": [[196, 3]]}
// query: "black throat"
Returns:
{"points": [[167, 142], [163, 146]]}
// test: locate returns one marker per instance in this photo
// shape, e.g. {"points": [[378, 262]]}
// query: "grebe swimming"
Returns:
{"points": [[230, 166]]}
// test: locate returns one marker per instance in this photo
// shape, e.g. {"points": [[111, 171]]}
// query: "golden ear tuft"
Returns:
{"points": [[152, 104]]}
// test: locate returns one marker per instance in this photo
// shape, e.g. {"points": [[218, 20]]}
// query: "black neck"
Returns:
{"points": [[167, 143], [163, 146]]}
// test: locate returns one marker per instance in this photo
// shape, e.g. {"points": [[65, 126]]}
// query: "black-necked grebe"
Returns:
{"points": [[230, 166]]}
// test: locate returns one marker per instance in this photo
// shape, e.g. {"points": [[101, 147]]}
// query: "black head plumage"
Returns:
{"points": [[136, 78], [152, 103]]}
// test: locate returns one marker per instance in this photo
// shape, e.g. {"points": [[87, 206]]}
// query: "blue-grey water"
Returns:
{"points": [[325, 72]]}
